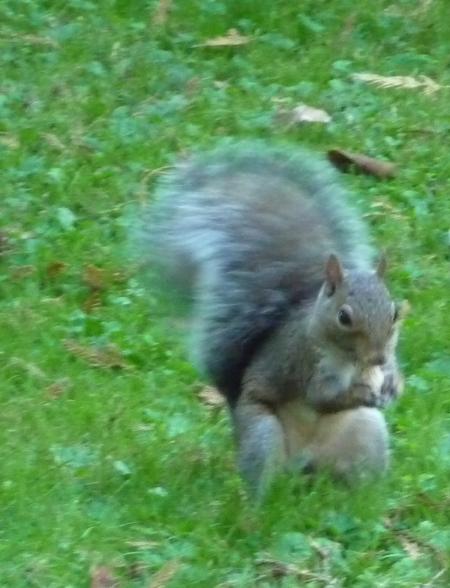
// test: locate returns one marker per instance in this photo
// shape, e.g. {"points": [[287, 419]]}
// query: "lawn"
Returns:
{"points": [[113, 471]]}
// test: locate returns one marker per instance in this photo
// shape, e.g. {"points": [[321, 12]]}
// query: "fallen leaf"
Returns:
{"points": [[55, 268], [211, 397], [94, 277], [163, 576], [232, 38], [308, 114], [280, 569], [347, 161], [104, 357], [103, 577], [58, 388], [161, 13], [425, 83], [93, 302]]}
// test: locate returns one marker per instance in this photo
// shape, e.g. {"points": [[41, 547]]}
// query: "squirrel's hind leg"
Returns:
{"points": [[261, 444], [353, 444]]}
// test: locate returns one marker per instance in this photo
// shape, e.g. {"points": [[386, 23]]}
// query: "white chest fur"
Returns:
{"points": [[299, 423]]}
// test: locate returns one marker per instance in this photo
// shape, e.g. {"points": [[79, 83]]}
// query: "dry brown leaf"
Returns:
{"points": [[9, 141], [279, 569], [94, 277], [211, 397], [163, 576], [232, 38], [308, 114], [103, 577], [58, 388], [55, 268], [161, 13], [347, 161], [413, 546], [105, 357], [93, 302], [425, 83]]}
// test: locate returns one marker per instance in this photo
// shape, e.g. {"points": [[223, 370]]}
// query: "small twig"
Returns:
{"points": [[142, 189], [434, 578]]}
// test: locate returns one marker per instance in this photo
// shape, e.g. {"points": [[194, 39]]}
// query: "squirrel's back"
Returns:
{"points": [[248, 228]]}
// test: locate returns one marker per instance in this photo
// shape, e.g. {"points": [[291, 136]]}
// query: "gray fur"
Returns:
{"points": [[248, 228]]}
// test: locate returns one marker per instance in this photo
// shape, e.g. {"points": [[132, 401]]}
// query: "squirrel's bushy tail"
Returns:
{"points": [[246, 230]]}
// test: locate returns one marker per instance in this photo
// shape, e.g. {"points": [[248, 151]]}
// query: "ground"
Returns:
{"points": [[111, 466]]}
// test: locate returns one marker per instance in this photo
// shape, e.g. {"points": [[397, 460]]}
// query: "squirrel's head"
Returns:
{"points": [[354, 315]]}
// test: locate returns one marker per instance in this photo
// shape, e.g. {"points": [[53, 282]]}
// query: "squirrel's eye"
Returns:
{"points": [[344, 317]]}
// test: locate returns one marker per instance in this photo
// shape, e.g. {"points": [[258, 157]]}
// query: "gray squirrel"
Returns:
{"points": [[291, 319]]}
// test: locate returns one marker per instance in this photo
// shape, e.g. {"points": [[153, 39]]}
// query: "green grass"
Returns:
{"points": [[125, 468]]}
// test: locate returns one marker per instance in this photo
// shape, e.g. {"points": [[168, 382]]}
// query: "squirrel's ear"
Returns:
{"points": [[381, 266], [334, 274]]}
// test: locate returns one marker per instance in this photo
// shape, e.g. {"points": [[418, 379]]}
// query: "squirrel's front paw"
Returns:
{"points": [[368, 396], [391, 388], [360, 394]]}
